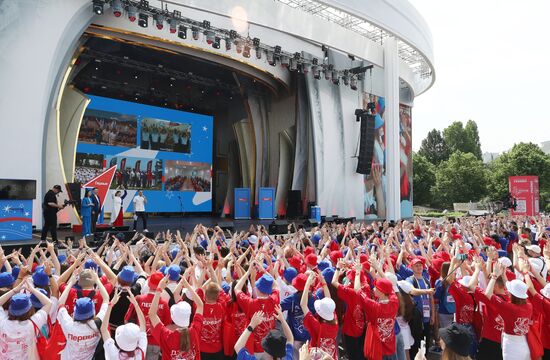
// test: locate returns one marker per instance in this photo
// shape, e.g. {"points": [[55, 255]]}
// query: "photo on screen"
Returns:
{"points": [[108, 128], [164, 135], [187, 176], [87, 166], [136, 173]]}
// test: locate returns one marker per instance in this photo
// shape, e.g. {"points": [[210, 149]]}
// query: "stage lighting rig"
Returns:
{"points": [[315, 69], [353, 83], [335, 77], [132, 13], [209, 37], [233, 34], [159, 19], [206, 24], [228, 42], [285, 61], [239, 46], [116, 6], [173, 25], [246, 51], [216, 44], [195, 32], [143, 20], [97, 6], [345, 77], [182, 32], [292, 64], [271, 58], [328, 72]]}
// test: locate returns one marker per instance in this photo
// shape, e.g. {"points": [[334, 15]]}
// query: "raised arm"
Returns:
{"points": [[255, 321], [105, 333], [137, 308], [284, 326], [305, 294]]}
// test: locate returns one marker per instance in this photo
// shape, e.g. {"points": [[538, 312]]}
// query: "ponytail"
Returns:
{"points": [[184, 339]]}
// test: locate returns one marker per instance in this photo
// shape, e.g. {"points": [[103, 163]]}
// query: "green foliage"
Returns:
{"points": [[522, 159], [462, 178], [423, 179], [463, 139], [440, 214], [472, 138], [434, 148]]}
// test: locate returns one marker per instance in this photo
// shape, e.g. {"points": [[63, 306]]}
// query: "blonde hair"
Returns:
{"points": [[449, 354]]}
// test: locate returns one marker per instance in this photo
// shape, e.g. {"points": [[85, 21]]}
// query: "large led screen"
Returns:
{"points": [[164, 152]]}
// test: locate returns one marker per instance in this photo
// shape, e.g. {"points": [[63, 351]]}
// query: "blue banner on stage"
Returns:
{"points": [[266, 203], [242, 203], [15, 220]]}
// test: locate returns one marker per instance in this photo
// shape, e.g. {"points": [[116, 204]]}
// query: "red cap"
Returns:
{"points": [[311, 260], [415, 261], [437, 263], [154, 280], [363, 258], [334, 246], [384, 286], [436, 243], [488, 240], [295, 262], [524, 236], [308, 250], [445, 256], [457, 236], [453, 231], [299, 282], [417, 232], [335, 255]]}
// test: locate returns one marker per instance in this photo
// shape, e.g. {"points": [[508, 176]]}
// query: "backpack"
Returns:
{"points": [[449, 306], [41, 342], [55, 345], [172, 300]]}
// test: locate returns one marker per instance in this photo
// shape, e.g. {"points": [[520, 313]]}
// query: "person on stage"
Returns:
{"points": [[139, 210], [96, 209], [86, 212], [117, 215], [50, 207]]}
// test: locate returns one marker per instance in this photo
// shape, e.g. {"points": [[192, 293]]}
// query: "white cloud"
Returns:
{"points": [[491, 61]]}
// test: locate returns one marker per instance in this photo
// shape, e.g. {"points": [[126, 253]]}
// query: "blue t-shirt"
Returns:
{"points": [[245, 355], [422, 302], [442, 296], [295, 317]]}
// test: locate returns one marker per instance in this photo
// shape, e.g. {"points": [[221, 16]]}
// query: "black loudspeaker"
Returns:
{"points": [[120, 228], [74, 194], [227, 225], [327, 220], [366, 145], [311, 223], [294, 195], [294, 204], [278, 227]]}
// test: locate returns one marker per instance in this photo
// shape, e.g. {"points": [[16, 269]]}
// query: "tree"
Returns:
{"points": [[462, 178], [522, 159], [463, 139], [472, 139], [423, 179], [433, 148]]}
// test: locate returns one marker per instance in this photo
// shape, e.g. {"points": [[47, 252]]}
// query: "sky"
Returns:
{"points": [[492, 65]]}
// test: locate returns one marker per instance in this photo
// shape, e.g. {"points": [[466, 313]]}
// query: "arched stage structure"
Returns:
{"points": [[280, 80]]}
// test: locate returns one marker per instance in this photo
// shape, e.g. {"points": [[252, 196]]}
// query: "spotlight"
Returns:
{"points": [[143, 20], [345, 77], [316, 72], [116, 5], [246, 51], [293, 65], [98, 7], [233, 34], [132, 13], [216, 44], [159, 19], [328, 72], [239, 45], [209, 37], [195, 32], [228, 42], [271, 58], [173, 25], [206, 24], [335, 77], [353, 83], [182, 32], [258, 53], [284, 61], [304, 68], [256, 42]]}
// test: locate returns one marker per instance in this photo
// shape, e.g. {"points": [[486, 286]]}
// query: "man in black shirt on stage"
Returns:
{"points": [[50, 207]]}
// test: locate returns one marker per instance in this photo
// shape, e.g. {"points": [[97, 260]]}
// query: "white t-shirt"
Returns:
{"points": [[82, 338], [18, 338], [112, 351], [139, 203]]}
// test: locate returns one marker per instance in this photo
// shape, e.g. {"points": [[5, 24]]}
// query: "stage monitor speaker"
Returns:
{"points": [[311, 223], [120, 228], [278, 227], [227, 225], [366, 145]]}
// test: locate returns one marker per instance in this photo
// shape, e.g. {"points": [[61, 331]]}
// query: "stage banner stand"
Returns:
{"points": [[266, 209], [242, 203]]}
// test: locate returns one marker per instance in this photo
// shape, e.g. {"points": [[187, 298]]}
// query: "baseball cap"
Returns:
{"points": [[534, 248], [58, 187]]}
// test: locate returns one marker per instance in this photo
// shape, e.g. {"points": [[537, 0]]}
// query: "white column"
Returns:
{"points": [[391, 116]]}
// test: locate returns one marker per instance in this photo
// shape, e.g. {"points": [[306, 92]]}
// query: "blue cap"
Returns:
{"points": [[62, 258], [316, 238], [289, 274], [417, 252], [6, 280], [127, 274], [265, 284], [163, 269], [34, 300], [174, 272], [328, 274], [204, 244], [245, 243], [84, 309], [502, 253], [226, 287], [174, 252], [20, 304], [40, 278], [323, 265], [15, 271], [90, 264]]}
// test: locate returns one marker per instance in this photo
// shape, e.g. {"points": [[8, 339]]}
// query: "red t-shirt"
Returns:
{"points": [[383, 315], [353, 323], [237, 318], [542, 306], [493, 323], [211, 333], [144, 302], [464, 303], [169, 341], [323, 335], [73, 296], [267, 305], [516, 317]]}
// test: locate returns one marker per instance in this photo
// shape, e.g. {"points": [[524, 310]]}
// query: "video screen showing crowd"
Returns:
{"points": [[466, 288]]}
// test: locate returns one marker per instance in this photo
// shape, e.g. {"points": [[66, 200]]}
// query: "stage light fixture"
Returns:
{"points": [[132, 13], [233, 34], [271, 58], [345, 77], [98, 6], [246, 50], [256, 42], [216, 44], [258, 53], [182, 32], [292, 64], [143, 20], [206, 24], [335, 77], [173, 25], [116, 5], [239, 46], [284, 61], [159, 19], [195, 32], [304, 68], [328, 72], [209, 37], [316, 71], [353, 83], [228, 42]]}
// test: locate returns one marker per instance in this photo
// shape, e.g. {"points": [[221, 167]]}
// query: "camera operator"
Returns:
{"points": [[50, 207]]}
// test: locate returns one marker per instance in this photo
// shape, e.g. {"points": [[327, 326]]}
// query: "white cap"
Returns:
{"points": [[127, 336], [468, 246], [265, 239], [391, 277], [545, 291], [405, 286], [325, 308], [536, 264], [465, 281], [534, 248], [253, 239], [517, 288], [505, 261], [180, 313]]}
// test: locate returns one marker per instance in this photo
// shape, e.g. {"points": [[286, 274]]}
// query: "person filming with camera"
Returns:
{"points": [[50, 207]]}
